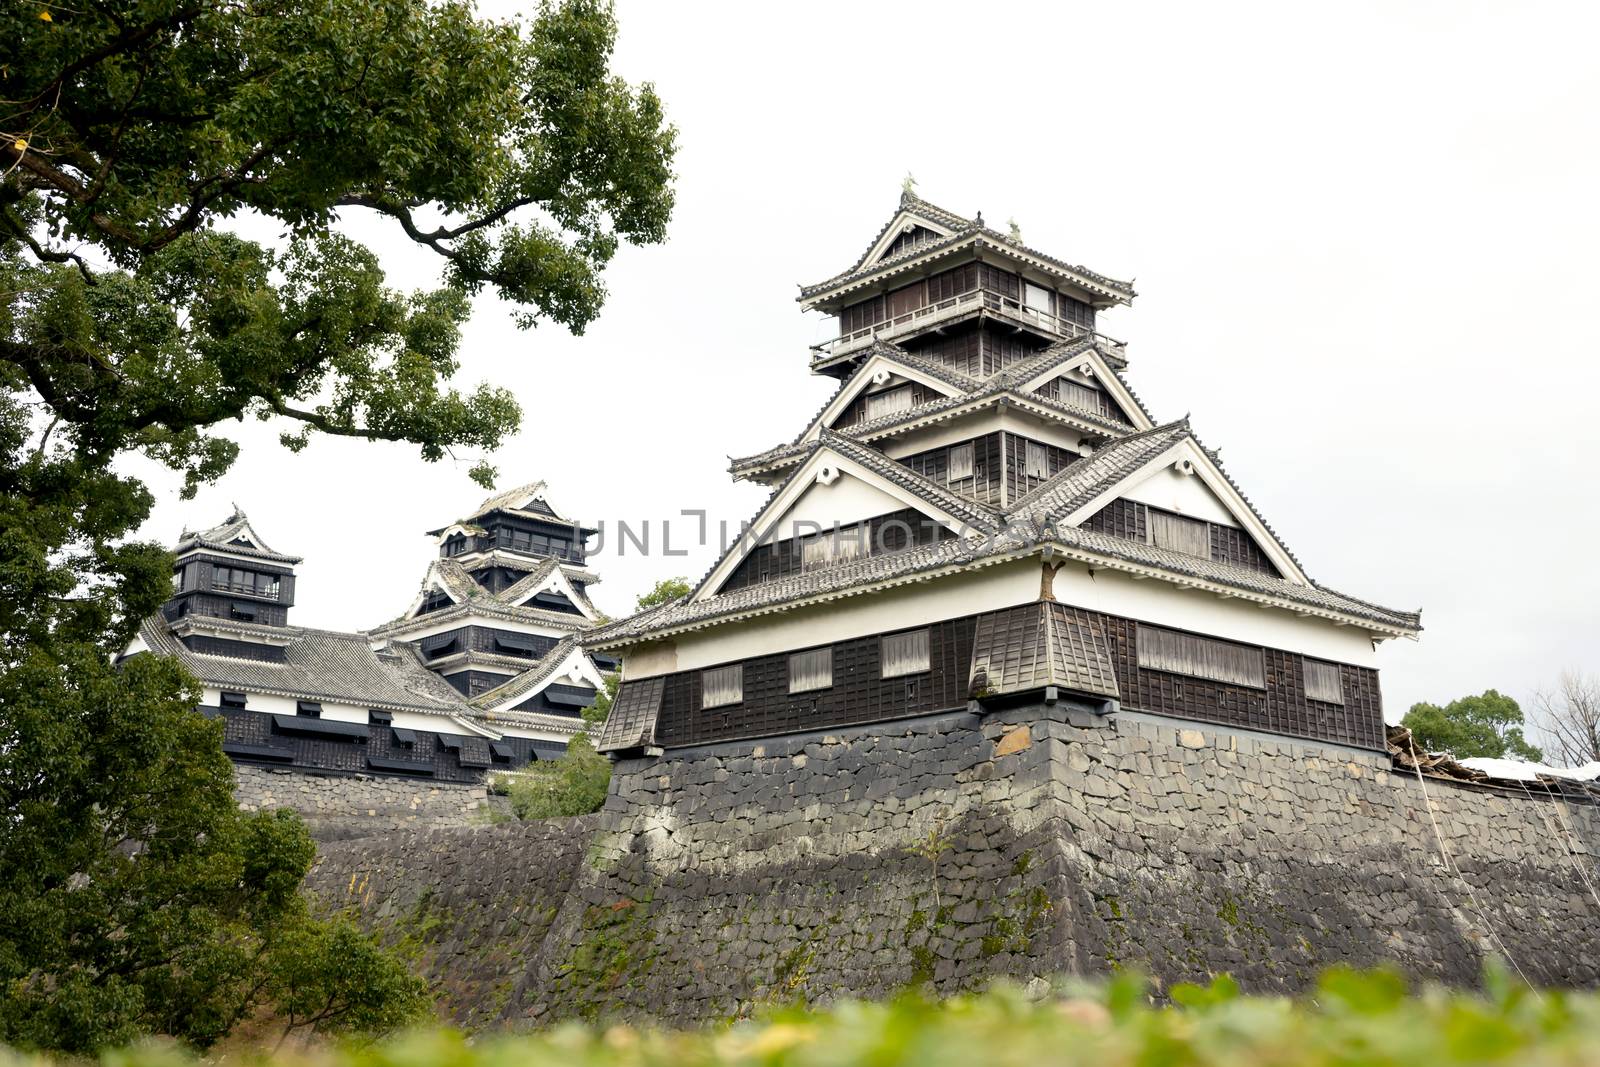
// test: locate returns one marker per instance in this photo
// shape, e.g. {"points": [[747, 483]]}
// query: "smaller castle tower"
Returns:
{"points": [[229, 573], [501, 609]]}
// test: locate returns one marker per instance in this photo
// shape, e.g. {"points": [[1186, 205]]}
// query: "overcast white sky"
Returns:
{"points": [[1364, 237]]}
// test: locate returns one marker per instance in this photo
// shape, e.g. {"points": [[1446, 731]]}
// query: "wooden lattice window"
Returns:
{"points": [[724, 685], [889, 402], [811, 670], [1179, 533], [1324, 682], [1079, 395], [816, 550], [905, 653], [959, 464], [1201, 657]]}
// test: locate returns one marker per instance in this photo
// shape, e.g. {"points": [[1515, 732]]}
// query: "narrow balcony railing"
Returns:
{"points": [[955, 307], [269, 592]]}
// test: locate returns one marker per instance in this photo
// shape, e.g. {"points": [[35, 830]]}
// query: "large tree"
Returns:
{"points": [[133, 895], [1489, 724]]}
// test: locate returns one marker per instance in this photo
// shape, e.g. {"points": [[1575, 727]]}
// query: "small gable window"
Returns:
{"points": [[1078, 395], [960, 465], [811, 670], [1324, 682], [724, 685], [889, 402], [905, 653], [233, 700], [1179, 533], [816, 550], [1201, 657]]}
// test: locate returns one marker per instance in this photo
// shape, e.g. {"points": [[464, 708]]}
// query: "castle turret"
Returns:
{"points": [[229, 572], [501, 610]]}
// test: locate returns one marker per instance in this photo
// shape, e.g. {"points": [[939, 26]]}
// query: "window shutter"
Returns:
{"points": [[310, 708], [905, 653], [890, 402], [811, 670], [960, 465], [1201, 657], [1324, 682], [724, 685], [816, 550], [1036, 461], [1178, 533], [233, 700]]}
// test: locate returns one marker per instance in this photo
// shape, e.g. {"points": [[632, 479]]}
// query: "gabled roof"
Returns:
{"points": [[531, 681], [1006, 385], [516, 502], [1044, 517], [234, 534], [473, 600], [1080, 482], [964, 232]]}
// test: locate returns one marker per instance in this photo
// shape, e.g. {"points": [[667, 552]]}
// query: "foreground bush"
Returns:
{"points": [[1352, 1019]]}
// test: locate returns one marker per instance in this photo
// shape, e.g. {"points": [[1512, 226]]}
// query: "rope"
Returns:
{"points": [[1449, 865], [1560, 807]]}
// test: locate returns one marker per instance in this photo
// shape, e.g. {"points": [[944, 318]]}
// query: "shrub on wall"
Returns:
{"points": [[573, 785]]}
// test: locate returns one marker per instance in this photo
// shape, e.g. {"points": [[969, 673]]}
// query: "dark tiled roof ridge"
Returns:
{"points": [[520, 684], [929, 490], [1103, 457]]}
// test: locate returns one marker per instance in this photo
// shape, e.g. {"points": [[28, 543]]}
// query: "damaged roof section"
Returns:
{"points": [[1407, 756]]}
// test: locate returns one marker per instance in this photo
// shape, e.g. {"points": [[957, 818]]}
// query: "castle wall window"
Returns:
{"points": [[1324, 682], [816, 550], [1035, 460], [1179, 533], [239, 580], [1201, 657], [1036, 297], [811, 670], [232, 700], [960, 462], [905, 653], [311, 709], [1081, 396], [724, 685], [889, 402]]}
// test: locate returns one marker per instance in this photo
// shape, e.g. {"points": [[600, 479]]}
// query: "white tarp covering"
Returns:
{"points": [[1520, 771]]}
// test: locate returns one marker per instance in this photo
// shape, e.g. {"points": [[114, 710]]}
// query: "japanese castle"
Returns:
{"points": [[984, 511], [483, 671]]}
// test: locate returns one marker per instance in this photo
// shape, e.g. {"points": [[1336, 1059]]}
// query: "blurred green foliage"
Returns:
{"points": [[1351, 1018]]}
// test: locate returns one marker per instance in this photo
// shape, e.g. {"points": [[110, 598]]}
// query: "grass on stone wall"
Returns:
{"points": [[1351, 1019]]}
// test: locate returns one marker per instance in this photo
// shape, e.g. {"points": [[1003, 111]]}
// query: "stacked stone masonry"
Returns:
{"points": [[1033, 842], [340, 806]]}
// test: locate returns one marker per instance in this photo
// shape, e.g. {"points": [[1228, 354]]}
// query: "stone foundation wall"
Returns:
{"points": [[337, 807], [470, 907], [1033, 842]]}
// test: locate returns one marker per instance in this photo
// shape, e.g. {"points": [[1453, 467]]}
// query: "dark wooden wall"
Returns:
{"points": [[255, 737], [1129, 519], [858, 695], [892, 532]]}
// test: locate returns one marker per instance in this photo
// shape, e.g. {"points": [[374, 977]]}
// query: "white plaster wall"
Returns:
{"points": [[986, 589], [1185, 494], [1155, 601], [847, 500]]}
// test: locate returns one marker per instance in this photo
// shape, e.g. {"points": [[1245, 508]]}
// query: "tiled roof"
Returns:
{"points": [[473, 600], [529, 680], [224, 534], [1035, 520], [975, 515], [1086, 479], [1006, 383], [965, 230], [320, 665]]}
